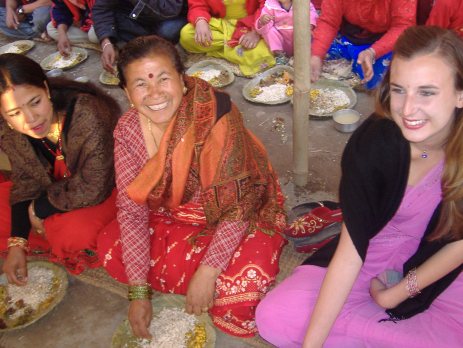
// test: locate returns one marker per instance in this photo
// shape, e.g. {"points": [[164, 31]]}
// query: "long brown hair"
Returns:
{"points": [[424, 40]]}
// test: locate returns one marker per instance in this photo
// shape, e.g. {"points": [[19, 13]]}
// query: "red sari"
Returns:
{"points": [[229, 169]]}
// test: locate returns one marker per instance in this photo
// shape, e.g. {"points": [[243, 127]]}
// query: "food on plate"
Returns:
{"points": [[327, 100], [215, 77], [60, 61]]}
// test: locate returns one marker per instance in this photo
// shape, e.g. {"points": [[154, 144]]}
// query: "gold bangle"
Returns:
{"points": [[18, 242], [139, 292]]}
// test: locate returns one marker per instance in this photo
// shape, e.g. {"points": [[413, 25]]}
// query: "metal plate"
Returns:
{"points": [[57, 61], [205, 65], [123, 338], [106, 78], [19, 47], [254, 83], [57, 292]]}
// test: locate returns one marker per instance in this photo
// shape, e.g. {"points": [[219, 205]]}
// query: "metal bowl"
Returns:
{"points": [[346, 120]]}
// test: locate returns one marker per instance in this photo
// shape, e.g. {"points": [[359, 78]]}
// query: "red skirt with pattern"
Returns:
{"points": [[70, 238], [177, 247]]}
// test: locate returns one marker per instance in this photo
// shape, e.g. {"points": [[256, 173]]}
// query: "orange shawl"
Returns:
{"points": [[221, 157]]}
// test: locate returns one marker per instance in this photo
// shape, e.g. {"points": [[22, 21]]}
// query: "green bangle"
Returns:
{"points": [[139, 292]]}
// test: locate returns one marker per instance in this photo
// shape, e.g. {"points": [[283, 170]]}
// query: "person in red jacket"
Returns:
{"points": [[363, 31], [446, 14], [226, 30]]}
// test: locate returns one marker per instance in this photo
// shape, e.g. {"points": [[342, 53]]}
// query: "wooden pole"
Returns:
{"points": [[301, 99]]}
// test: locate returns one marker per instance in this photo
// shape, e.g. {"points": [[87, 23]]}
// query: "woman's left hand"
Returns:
{"points": [[200, 293], [249, 40], [37, 223], [366, 59]]}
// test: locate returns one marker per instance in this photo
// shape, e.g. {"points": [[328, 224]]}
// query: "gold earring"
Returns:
{"points": [[185, 90], [131, 105]]}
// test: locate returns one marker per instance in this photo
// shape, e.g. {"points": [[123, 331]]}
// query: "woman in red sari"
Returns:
{"points": [[200, 209]]}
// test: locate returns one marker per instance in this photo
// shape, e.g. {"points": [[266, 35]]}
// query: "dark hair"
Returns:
{"points": [[17, 69], [427, 40], [144, 46]]}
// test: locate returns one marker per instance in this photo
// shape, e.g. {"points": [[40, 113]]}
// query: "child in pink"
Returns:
{"points": [[275, 25]]}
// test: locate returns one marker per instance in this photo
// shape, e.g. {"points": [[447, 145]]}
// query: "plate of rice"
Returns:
{"points": [[329, 96], [171, 327], [208, 70], [21, 306], [57, 61], [272, 87], [19, 47], [106, 78]]}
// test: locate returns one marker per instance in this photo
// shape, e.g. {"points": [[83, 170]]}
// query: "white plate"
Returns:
{"points": [[254, 83], [19, 47], [206, 65], [57, 61]]}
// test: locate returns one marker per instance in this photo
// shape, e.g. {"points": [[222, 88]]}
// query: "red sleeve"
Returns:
{"points": [[328, 25], [447, 14], [201, 8], [403, 15], [129, 157]]}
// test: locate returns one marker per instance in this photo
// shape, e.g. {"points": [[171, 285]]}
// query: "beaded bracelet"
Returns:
{"points": [[139, 292], [18, 242], [412, 283]]}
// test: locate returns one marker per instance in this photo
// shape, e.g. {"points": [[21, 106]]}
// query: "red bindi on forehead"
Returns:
{"points": [[150, 75]]}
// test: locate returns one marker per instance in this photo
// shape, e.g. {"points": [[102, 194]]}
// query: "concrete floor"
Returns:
{"points": [[88, 316]]}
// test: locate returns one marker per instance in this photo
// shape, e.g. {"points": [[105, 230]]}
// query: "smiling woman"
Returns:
{"points": [[57, 135], [199, 204]]}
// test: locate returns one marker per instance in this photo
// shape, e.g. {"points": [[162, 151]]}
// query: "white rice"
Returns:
{"points": [[36, 291], [169, 329], [208, 75], [272, 93], [329, 100], [12, 49], [63, 62]]}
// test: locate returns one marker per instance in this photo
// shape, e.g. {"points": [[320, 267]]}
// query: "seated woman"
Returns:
{"points": [[57, 135], [402, 203], [225, 29], [200, 209], [367, 32]]}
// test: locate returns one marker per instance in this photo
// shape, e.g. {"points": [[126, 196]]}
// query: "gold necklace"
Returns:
{"points": [[151, 132], [55, 133]]}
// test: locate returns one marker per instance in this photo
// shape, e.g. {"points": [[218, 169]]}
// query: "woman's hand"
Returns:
{"points": [[315, 68], [15, 266], [249, 40], [366, 59], [200, 293], [63, 45], [12, 20], [108, 56], [140, 314], [264, 19], [203, 35], [37, 223]]}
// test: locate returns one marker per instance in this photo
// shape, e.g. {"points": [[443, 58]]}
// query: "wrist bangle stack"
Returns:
{"points": [[412, 283], [18, 242], [139, 292], [106, 45]]}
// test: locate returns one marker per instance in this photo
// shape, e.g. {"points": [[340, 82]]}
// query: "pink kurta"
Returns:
{"points": [[283, 316], [278, 33]]}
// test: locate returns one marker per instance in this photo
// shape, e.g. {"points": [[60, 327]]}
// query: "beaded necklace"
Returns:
{"points": [[60, 169]]}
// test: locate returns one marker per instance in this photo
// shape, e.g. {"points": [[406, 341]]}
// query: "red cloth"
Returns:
{"points": [[177, 248], [447, 14], [389, 16], [70, 237], [217, 9]]}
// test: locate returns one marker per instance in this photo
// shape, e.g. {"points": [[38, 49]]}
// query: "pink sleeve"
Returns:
{"points": [[313, 15], [265, 28], [226, 239], [132, 218], [327, 28], [403, 15]]}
